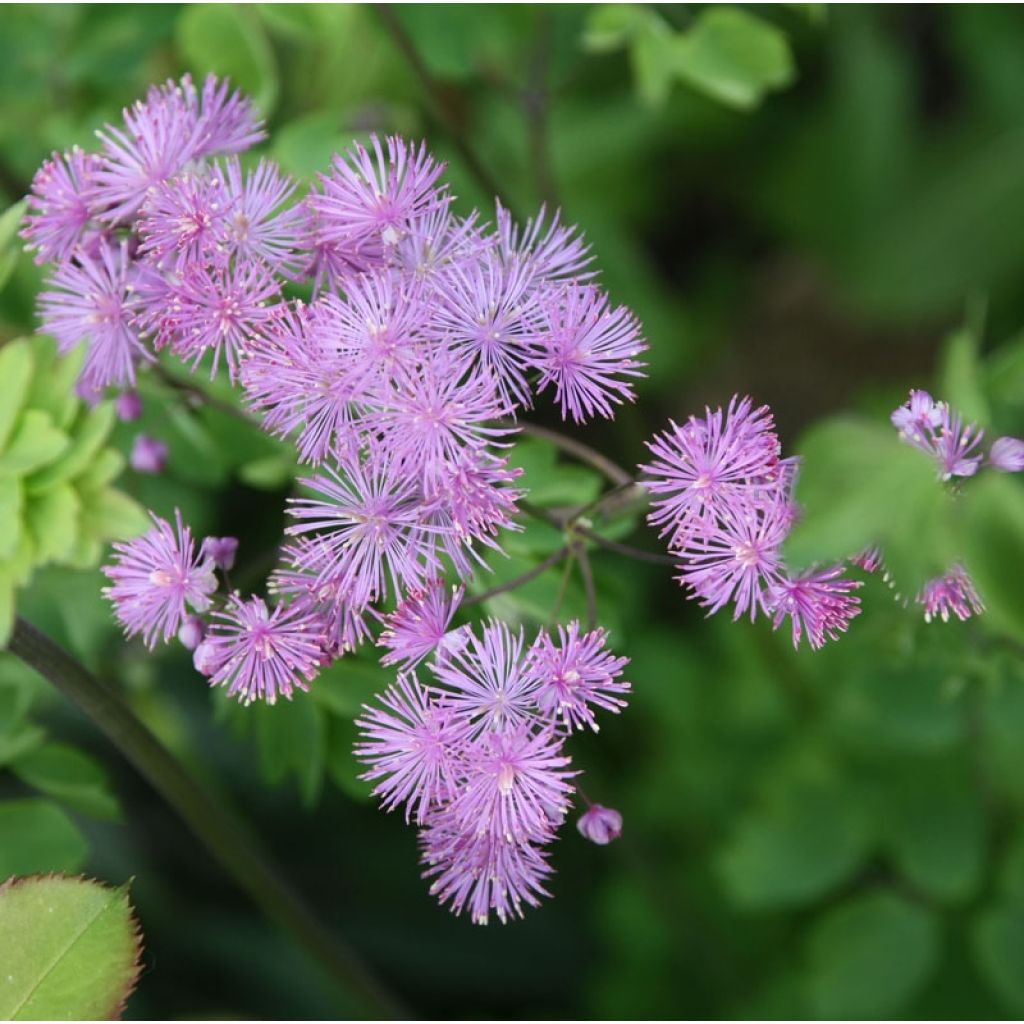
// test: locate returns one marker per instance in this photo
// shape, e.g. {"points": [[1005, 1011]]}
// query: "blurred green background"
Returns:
{"points": [[800, 202]]}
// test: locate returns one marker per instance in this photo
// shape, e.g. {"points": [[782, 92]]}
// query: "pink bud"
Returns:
{"points": [[192, 631], [205, 659], [600, 824], [129, 406], [222, 550], [1007, 454], [148, 455]]}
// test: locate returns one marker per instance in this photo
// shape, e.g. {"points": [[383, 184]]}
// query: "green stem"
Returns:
{"points": [[224, 835]]}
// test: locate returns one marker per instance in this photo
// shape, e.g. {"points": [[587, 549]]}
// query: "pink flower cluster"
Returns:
{"points": [[722, 495], [476, 756]]}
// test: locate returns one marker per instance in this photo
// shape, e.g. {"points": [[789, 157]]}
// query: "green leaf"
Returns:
{"points": [[88, 435], [229, 40], [961, 377], [305, 146], [70, 949], [10, 251], [348, 683], [35, 443], [269, 474], [52, 519], [291, 738], [794, 850], [992, 541], [70, 776], [936, 833], [860, 485], [37, 836], [869, 956], [653, 56], [342, 765], [998, 943], [12, 502], [734, 57], [109, 514], [53, 381], [104, 469], [551, 482], [15, 373], [610, 26]]}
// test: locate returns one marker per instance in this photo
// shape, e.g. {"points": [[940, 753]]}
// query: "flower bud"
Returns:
{"points": [[192, 631], [1007, 454], [600, 824], [204, 658], [129, 406], [222, 550], [148, 455]]}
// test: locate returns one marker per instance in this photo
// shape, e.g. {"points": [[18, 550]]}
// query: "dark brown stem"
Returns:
{"points": [[224, 836], [438, 100], [519, 581]]}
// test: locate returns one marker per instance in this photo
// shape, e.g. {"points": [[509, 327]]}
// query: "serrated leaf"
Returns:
{"points": [[860, 485], [36, 836], [52, 520], [869, 956], [70, 949], [53, 381], [34, 443], [734, 57], [104, 469], [69, 776], [229, 40], [109, 514], [12, 504], [88, 435], [998, 942], [15, 373]]}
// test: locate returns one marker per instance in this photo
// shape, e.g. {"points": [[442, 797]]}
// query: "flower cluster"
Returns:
{"points": [[722, 495], [955, 446], [476, 758]]}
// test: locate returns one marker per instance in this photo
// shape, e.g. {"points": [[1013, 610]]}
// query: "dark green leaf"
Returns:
{"points": [[37, 836]]}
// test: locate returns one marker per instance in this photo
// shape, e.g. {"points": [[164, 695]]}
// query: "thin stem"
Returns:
{"points": [[438, 99], [196, 397], [535, 105], [587, 575], [624, 549], [224, 835], [519, 581], [612, 470]]}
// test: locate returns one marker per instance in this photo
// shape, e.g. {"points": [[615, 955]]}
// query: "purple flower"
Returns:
{"points": [[600, 824], [935, 429], [370, 197], [91, 300], [870, 559], [488, 680], [223, 310], [60, 201], [516, 786], [369, 531], [700, 467], [155, 577], [549, 252], [221, 551], [481, 874], [420, 625], [410, 745], [952, 593], [128, 406], [260, 654], [1007, 454], [588, 351], [819, 603], [576, 675], [260, 224], [183, 220], [740, 559], [192, 631], [148, 455], [225, 120], [917, 418], [436, 241]]}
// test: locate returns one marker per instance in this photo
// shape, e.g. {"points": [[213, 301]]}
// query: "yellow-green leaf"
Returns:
{"points": [[35, 443], [15, 372]]}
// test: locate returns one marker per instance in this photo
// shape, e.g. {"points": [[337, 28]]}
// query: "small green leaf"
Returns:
{"points": [[350, 682], [998, 942], [53, 381], [104, 469], [305, 146], [109, 514], [10, 251], [733, 56], [35, 443], [12, 503], [37, 836], [610, 26], [52, 519], [869, 956], [88, 435], [15, 373], [342, 765], [961, 384], [269, 474], [70, 949], [70, 776], [291, 738], [228, 39]]}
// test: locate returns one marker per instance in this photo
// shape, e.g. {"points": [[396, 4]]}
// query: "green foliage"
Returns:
{"points": [[56, 505], [36, 835], [70, 949], [727, 54]]}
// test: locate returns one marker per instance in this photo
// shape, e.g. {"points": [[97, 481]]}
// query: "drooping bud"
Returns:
{"points": [[148, 455], [128, 406], [222, 550], [1007, 454], [600, 824], [192, 631]]}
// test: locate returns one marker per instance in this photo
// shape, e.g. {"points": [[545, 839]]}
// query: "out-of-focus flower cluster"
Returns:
{"points": [[723, 496], [476, 756], [399, 383]]}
